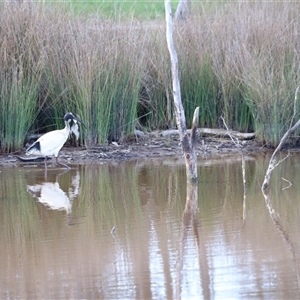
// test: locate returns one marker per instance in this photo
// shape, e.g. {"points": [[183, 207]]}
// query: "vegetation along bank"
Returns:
{"points": [[238, 60]]}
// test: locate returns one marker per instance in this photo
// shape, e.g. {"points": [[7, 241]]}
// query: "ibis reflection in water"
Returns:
{"points": [[53, 196], [50, 143]]}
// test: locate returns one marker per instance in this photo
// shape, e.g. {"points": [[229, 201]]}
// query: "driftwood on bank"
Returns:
{"points": [[214, 132], [187, 142]]}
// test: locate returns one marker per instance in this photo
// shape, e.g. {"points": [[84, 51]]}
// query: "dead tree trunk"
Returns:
{"points": [[183, 10], [186, 142]]}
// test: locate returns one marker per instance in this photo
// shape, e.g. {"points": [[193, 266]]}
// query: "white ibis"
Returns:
{"points": [[50, 143]]}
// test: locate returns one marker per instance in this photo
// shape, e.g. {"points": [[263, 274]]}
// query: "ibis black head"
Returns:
{"points": [[70, 117]]}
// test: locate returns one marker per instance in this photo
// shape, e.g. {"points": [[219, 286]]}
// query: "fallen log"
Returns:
{"points": [[213, 132]]}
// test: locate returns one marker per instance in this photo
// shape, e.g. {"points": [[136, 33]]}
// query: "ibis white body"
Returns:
{"points": [[49, 144]]}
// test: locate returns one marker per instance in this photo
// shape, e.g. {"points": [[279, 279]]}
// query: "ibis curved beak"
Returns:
{"points": [[78, 120]]}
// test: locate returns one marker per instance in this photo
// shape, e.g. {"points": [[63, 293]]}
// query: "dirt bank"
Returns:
{"points": [[148, 146]]}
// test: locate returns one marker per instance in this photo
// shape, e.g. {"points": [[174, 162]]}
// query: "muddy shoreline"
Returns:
{"points": [[148, 146]]}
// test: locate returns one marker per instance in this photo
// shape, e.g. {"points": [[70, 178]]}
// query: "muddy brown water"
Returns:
{"points": [[124, 231]]}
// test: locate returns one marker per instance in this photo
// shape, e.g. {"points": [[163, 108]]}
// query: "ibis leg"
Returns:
{"points": [[61, 164], [45, 162]]}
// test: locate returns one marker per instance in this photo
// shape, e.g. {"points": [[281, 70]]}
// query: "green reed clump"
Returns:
{"points": [[200, 88], [18, 109], [210, 77], [104, 82], [21, 65], [253, 60], [271, 68], [89, 67], [110, 109], [237, 61], [155, 107]]}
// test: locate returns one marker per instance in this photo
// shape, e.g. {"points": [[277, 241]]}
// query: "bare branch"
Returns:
{"points": [[280, 161], [273, 159], [295, 102], [194, 128], [234, 140]]}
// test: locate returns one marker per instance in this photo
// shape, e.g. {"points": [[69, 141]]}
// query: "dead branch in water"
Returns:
{"points": [[273, 161], [186, 143]]}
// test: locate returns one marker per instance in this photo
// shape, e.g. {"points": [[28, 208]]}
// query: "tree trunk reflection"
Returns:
{"points": [[190, 222]]}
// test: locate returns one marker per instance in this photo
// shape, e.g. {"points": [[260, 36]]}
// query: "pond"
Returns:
{"points": [[128, 230]]}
